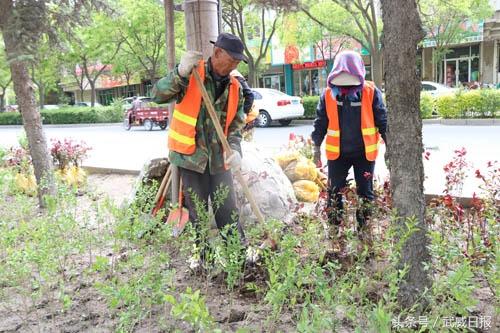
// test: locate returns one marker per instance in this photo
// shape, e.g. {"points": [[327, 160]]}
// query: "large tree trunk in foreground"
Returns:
{"points": [[402, 32], [25, 94]]}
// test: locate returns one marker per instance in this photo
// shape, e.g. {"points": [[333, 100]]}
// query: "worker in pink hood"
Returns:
{"points": [[351, 115]]}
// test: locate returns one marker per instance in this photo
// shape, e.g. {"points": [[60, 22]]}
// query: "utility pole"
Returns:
{"points": [[202, 25]]}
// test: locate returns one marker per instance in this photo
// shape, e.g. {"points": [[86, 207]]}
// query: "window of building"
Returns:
{"points": [[107, 96], [309, 82], [461, 66], [273, 82]]}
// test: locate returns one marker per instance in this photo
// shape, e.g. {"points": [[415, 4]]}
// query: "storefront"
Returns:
{"points": [[309, 78], [461, 66]]}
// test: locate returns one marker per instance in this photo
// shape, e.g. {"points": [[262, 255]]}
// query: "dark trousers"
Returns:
{"points": [[337, 180], [204, 185]]}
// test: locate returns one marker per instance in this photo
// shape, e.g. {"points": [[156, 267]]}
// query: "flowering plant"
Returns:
{"points": [[300, 144], [68, 153], [19, 159]]}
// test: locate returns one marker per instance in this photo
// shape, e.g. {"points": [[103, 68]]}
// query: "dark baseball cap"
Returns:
{"points": [[231, 44]]}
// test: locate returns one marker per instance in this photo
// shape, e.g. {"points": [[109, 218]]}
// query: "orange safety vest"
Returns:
{"points": [[182, 132], [370, 132]]}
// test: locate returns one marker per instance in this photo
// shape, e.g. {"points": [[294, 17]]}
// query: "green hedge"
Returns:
{"points": [[310, 104], [482, 103], [70, 115]]}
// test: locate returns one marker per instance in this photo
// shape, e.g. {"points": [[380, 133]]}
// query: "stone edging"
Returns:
{"points": [[466, 202]]}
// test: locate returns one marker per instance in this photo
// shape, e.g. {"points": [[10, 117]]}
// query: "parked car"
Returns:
{"points": [[12, 108], [276, 105], [436, 89], [51, 106], [87, 104], [127, 102]]}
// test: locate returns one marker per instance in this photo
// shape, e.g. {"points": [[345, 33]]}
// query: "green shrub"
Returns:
{"points": [[484, 103], [70, 115], [310, 105], [427, 105], [490, 104], [446, 107], [10, 118]]}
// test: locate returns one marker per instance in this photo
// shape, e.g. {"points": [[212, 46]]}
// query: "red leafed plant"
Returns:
{"points": [[68, 153]]}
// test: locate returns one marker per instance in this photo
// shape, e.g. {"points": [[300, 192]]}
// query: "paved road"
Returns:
{"points": [[114, 147]]}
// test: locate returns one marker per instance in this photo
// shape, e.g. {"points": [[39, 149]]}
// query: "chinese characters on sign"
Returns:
{"points": [[482, 322]]}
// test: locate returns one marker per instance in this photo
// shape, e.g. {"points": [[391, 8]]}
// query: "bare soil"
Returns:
{"points": [[89, 311]]}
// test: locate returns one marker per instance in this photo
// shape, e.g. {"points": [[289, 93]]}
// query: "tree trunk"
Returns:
{"points": [[377, 72], [25, 93], [92, 92], [252, 75], [169, 34], [41, 92], [81, 95], [2, 101], [402, 32]]}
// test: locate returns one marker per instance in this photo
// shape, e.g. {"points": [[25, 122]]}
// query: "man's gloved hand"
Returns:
{"points": [[234, 161], [188, 61], [317, 156]]}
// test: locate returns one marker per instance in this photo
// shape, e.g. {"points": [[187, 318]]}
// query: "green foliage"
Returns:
{"points": [[426, 105], [130, 259], [444, 20], [70, 115], [141, 28], [10, 118], [310, 104], [484, 103], [192, 309]]}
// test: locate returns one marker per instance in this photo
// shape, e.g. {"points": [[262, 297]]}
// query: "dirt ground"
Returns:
{"points": [[89, 311]]}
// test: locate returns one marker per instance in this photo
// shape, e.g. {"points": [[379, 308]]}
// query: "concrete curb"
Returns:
{"points": [[110, 171], [446, 122], [463, 122], [466, 202], [65, 125]]}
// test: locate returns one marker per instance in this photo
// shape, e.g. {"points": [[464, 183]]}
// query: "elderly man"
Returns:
{"points": [[192, 140]]}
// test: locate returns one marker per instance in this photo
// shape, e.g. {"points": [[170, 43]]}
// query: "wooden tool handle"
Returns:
{"points": [[225, 144], [162, 185]]}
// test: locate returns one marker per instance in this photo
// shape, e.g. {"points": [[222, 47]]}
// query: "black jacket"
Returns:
{"points": [[349, 110], [247, 94]]}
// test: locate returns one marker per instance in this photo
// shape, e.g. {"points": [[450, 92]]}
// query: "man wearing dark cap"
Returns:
{"points": [[192, 140]]}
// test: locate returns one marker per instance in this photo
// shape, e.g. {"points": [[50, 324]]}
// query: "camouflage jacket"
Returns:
{"points": [[208, 146]]}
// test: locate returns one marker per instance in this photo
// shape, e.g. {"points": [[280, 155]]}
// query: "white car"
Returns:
{"points": [[276, 105], [96, 104], [436, 89], [51, 107]]}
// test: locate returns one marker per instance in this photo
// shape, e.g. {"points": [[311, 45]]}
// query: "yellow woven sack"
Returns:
{"points": [[72, 176], [286, 158], [306, 190], [26, 183], [302, 168]]}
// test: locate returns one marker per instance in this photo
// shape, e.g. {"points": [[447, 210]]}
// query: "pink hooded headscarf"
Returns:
{"points": [[351, 63]]}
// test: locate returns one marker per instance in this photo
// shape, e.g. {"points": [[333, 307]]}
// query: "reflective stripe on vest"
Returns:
{"points": [[368, 129], [182, 132]]}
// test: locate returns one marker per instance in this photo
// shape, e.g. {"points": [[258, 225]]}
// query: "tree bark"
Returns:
{"points": [[41, 93], [376, 66], [25, 94], [2, 102], [402, 32], [169, 34]]}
